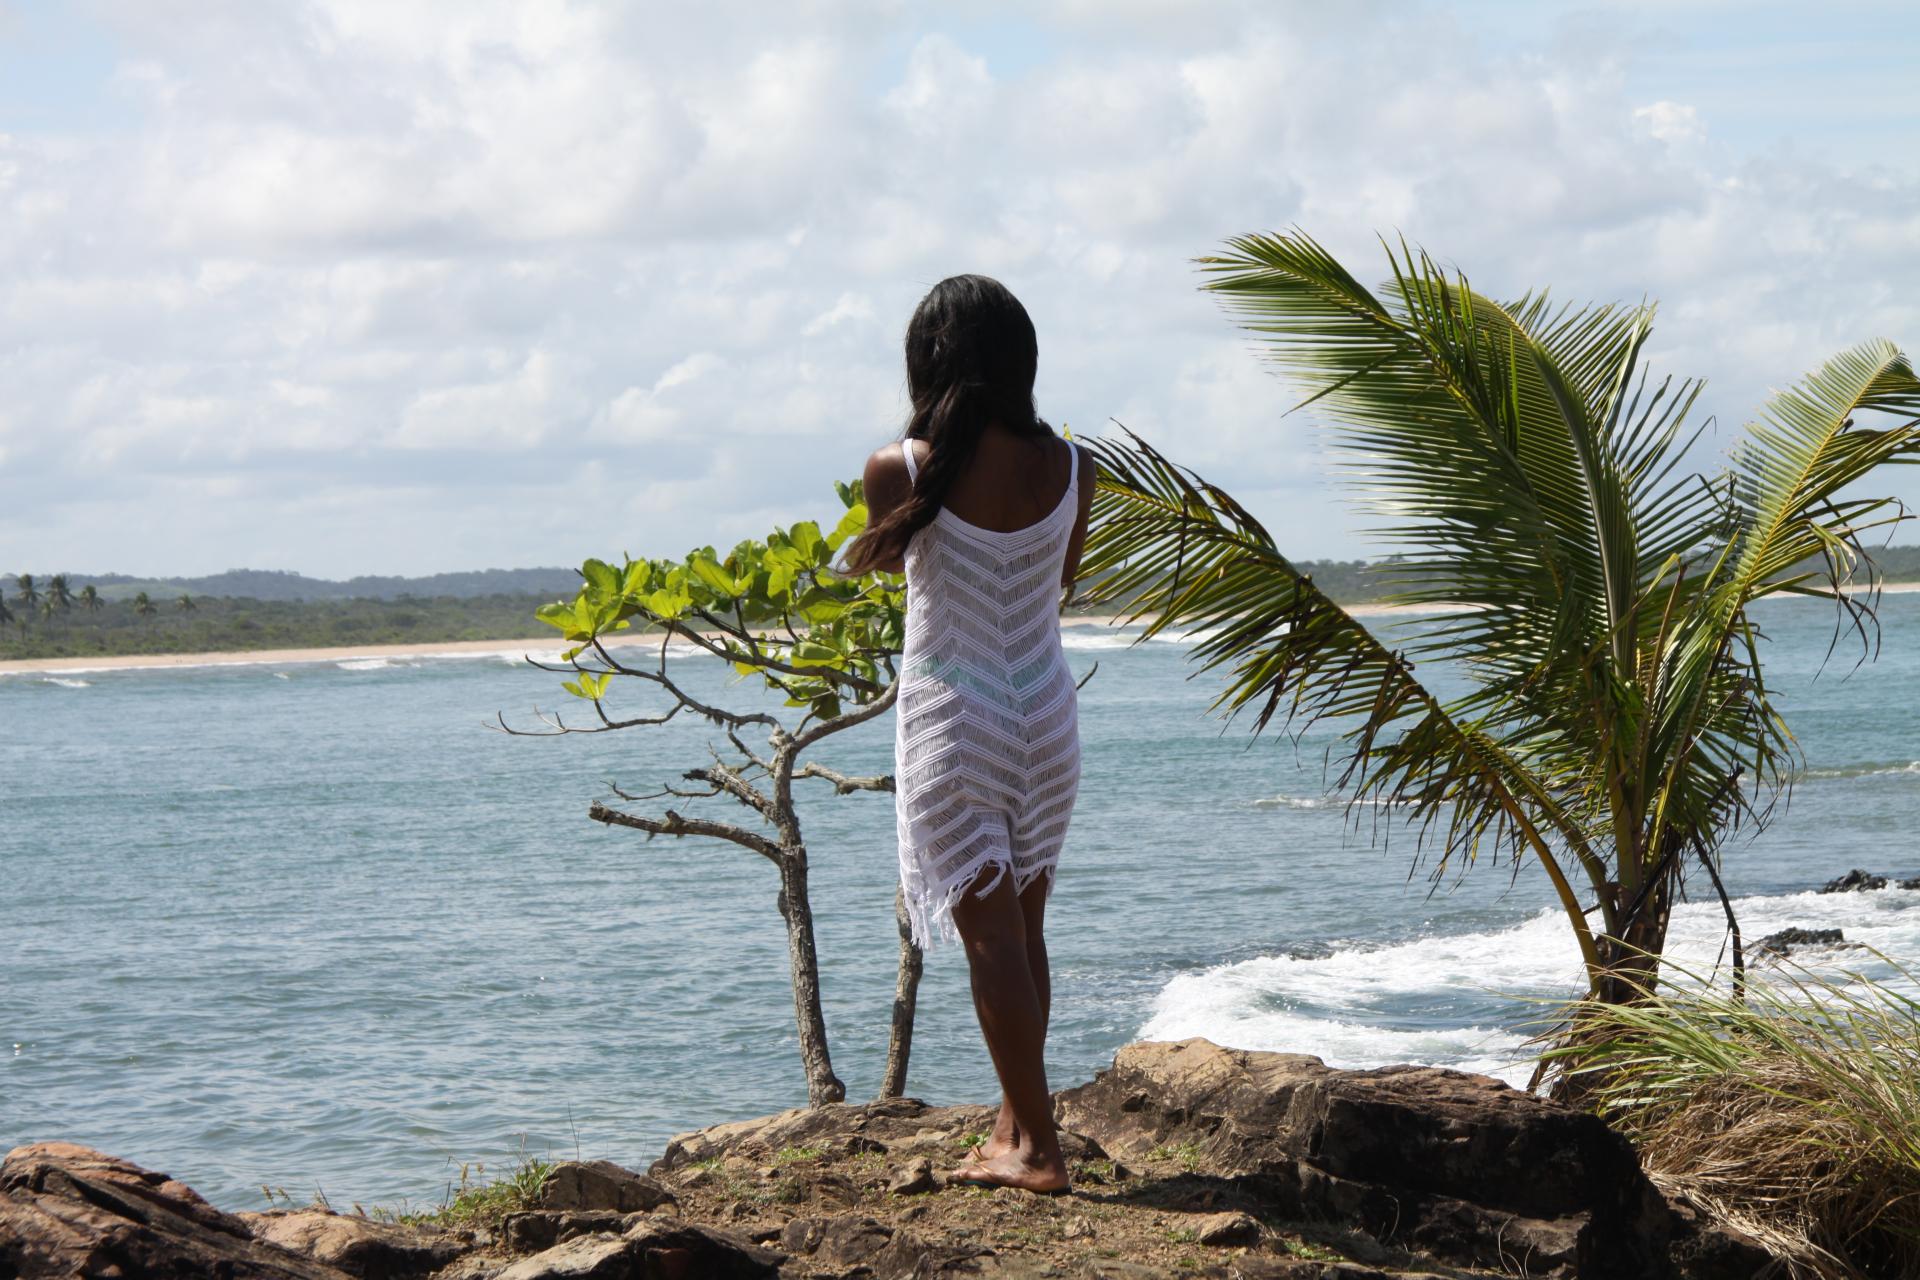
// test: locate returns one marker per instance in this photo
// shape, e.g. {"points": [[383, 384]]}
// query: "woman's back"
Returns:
{"points": [[1011, 481], [987, 748]]}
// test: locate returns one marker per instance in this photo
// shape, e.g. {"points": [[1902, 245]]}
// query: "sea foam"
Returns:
{"points": [[1344, 1006]]}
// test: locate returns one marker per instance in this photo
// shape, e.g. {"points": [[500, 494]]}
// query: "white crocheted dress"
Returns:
{"points": [[987, 745]]}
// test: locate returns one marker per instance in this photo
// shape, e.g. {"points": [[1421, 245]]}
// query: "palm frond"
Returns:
{"points": [[1175, 551]]}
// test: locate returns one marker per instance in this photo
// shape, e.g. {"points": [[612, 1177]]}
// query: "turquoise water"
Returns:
{"points": [[314, 926]]}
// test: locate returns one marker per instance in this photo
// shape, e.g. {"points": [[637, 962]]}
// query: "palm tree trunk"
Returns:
{"points": [[823, 1086], [906, 992], [1632, 974]]}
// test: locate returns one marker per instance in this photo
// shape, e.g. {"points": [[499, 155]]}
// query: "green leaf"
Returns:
{"points": [[601, 577], [807, 541], [811, 653], [710, 572], [668, 604], [851, 525]]}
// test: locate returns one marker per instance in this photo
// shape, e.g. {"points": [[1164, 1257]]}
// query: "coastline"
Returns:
{"points": [[547, 645]]}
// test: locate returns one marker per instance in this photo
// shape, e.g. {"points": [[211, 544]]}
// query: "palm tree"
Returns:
{"points": [[1616, 720], [143, 606], [186, 604], [28, 594], [6, 614], [90, 598], [59, 596]]}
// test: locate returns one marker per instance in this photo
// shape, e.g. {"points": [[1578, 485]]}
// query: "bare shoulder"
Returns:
{"points": [[1085, 470], [885, 479]]}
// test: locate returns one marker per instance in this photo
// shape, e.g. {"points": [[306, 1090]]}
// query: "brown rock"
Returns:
{"points": [[1457, 1166], [595, 1257], [67, 1210], [1227, 1229], [358, 1246], [915, 1178], [651, 1248], [893, 1126], [601, 1184], [531, 1230], [844, 1241]]}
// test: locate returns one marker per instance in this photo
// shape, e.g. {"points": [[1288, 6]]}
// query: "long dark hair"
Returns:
{"points": [[971, 358]]}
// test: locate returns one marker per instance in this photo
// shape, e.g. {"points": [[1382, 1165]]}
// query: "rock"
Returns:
{"points": [[894, 1126], [915, 1178], [846, 1241], [601, 1184], [600, 1257], [1854, 881], [533, 1229], [654, 1247], [1258, 1267], [1913, 883], [68, 1210], [472, 1266], [1227, 1229], [1458, 1166], [358, 1246], [1783, 942]]}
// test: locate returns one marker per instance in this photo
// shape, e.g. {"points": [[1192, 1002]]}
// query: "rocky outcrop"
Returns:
{"points": [[1458, 1166], [1855, 881], [67, 1210], [1187, 1159], [601, 1184], [358, 1246]]}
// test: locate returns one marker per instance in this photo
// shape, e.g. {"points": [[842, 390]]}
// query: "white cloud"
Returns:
{"points": [[1671, 122], [849, 306], [436, 285]]}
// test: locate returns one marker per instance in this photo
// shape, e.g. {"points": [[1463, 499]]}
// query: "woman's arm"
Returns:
{"points": [[1085, 476], [886, 486]]}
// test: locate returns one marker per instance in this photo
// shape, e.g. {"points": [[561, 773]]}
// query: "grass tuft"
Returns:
{"points": [[1792, 1114], [474, 1201]]}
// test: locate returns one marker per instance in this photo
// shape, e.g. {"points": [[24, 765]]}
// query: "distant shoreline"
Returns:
{"points": [[547, 645]]}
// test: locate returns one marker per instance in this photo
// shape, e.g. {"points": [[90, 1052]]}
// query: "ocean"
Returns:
{"points": [[315, 927]]}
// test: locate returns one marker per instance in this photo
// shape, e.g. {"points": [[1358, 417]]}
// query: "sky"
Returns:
{"points": [[357, 286]]}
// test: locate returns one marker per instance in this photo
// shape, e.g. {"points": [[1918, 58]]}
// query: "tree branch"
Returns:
{"points": [[674, 824], [844, 785], [827, 728]]}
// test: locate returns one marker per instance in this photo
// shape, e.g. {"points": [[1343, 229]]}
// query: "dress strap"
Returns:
{"points": [[1073, 475], [913, 471]]}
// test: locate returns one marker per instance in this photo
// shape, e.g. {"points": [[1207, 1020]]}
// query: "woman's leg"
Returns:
{"points": [[1033, 910], [1013, 1020]]}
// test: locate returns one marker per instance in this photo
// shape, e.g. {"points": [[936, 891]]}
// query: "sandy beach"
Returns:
{"points": [[547, 648]]}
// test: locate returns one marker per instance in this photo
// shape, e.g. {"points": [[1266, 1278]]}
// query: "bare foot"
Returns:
{"points": [[1025, 1169], [1004, 1138]]}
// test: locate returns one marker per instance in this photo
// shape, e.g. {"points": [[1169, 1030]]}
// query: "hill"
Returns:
{"points": [[281, 584]]}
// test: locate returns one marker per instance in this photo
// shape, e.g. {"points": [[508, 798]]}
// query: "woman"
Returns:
{"points": [[985, 509]]}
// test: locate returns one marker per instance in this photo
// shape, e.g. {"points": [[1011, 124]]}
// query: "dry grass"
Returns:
{"points": [[1792, 1114]]}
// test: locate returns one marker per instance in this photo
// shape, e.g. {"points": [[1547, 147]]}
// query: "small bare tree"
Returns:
{"points": [[775, 611]]}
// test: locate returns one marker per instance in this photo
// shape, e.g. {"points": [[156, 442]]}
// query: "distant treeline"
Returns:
{"points": [[290, 611], [223, 625], [278, 584]]}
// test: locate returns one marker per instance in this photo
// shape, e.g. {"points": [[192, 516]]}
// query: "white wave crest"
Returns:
{"points": [[1326, 802], [1864, 770], [67, 684], [1353, 1007], [1102, 640]]}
